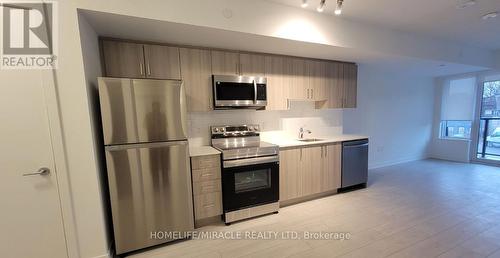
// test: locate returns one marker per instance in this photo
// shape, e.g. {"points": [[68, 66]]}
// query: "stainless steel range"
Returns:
{"points": [[250, 172]]}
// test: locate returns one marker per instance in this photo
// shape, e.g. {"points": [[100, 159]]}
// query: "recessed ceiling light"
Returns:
{"points": [[490, 15], [465, 3], [304, 4], [321, 6]]}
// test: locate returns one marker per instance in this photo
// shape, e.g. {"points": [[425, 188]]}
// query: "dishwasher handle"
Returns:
{"points": [[357, 143]]}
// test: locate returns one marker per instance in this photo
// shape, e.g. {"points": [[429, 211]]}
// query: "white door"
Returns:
{"points": [[30, 222]]}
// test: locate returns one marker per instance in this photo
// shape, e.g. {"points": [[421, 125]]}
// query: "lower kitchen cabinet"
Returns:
{"points": [[290, 174], [308, 170], [332, 167], [311, 167], [207, 190]]}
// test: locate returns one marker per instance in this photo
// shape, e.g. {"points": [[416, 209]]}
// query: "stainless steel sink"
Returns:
{"points": [[310, 140]]}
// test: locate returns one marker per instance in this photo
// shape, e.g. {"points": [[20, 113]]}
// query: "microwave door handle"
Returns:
{"points": [[255, 92]]}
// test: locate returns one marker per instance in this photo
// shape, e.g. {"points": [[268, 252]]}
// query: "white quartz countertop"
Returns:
{"points": [[294, 142], [202, 151]]}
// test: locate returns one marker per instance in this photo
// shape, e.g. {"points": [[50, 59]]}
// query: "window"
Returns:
{"points": [[456, 129], [488, 146], [457, 108]]}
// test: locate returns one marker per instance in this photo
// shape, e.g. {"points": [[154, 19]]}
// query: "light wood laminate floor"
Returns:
{"points": [[419, 209]]}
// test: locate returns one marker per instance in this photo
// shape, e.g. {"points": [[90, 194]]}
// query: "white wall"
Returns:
{"points": [[284, 123], [98, 237], [396, 110]]}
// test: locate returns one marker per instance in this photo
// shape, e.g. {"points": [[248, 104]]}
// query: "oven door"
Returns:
{"points": [[250, 185]]}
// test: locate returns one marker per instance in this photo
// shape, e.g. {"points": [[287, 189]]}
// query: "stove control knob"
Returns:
{"points": [[250, 128], [216, 130], [222, 129]]}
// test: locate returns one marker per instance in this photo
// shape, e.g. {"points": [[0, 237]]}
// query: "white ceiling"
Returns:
{"points": [[433, 18]]}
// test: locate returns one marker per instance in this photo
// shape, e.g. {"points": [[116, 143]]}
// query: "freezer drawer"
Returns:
{"points": [[354, 163], [150, 191], [139, 111]]}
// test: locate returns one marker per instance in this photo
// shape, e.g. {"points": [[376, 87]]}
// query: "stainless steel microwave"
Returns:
{"points": [[231, 91]]}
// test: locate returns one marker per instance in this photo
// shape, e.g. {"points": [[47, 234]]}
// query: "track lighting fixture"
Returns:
{"points": [[338, 9], [321, 6]]}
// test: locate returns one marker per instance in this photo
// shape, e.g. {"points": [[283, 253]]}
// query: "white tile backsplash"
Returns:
{"points": [[273, 123]]}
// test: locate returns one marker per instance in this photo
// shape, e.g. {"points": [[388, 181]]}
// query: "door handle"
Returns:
{"points": [[41, 172]]}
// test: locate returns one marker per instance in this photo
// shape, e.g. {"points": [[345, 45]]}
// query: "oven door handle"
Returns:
{"points": [[250, 161]]}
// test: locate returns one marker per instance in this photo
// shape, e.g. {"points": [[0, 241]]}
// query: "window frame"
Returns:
{"points": [[443, 130]]}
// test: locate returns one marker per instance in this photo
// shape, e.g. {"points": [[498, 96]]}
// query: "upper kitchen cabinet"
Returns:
{"points": [[132, 60], [335, 84], [196, 72], [123, 59], [225, 63], [318, 82], [276, 87], [162, 62], [350, 85], [297, 78], [252, 65]]}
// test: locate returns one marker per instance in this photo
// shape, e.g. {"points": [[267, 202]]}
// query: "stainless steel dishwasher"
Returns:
{"points": [[354, 163]]}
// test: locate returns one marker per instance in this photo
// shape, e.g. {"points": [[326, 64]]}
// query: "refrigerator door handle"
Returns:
{"points": [[144, 145]]}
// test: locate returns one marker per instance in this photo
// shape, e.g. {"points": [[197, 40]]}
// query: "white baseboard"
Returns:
{"points": [[395, 162], [448, 158]]}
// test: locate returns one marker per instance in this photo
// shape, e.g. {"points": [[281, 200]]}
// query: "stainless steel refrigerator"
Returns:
{"points": [[147, 159]]}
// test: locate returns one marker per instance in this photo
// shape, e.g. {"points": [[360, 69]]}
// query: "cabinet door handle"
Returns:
{"points": [[141, 68], [322, 151], [148, 69], [312, 93], [209, 206], [206, 174]]}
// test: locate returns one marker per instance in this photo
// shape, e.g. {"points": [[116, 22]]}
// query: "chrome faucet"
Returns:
{"points": [[302, 131]]}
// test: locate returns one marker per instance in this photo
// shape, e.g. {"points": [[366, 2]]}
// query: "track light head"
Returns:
{"points": [[338, 9], [321, 6]]}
